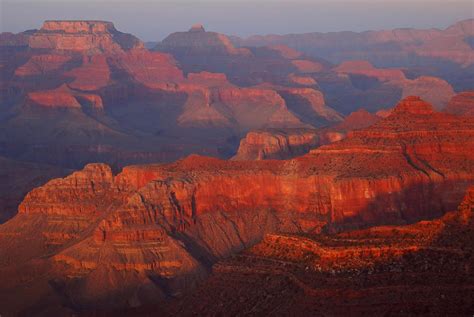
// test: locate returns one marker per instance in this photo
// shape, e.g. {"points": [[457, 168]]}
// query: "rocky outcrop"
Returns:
{"points": [[197, 41], [289, 143], [461, 104], [158, 228], [198, 50], [213, 102], [152, 69], [42, 65], [277, 144], [89, 37], [64, 97], [364, 271], [93, 74]]}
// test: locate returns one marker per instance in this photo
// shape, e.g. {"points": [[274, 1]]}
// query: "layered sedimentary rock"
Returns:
{"points": [[160, 227], [64, 97], [198, 50], [440, 53], [424, 268], [42, 64], [82, 36], [289, 143], [197, 41], [461, 104], [93, 74], [277, 144]]}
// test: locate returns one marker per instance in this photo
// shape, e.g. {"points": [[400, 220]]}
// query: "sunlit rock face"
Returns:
{"points": [[288, 143], [170, 222], [361, 271], [82, 36]]}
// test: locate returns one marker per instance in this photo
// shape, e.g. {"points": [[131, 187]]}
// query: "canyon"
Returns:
{"points": [[209, 174], [420, 269], [105, 241]]}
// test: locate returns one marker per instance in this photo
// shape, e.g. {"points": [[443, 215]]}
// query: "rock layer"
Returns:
{"points": [[82, 36], [160, 227]]}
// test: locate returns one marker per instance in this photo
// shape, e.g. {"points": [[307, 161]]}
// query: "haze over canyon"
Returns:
{"points": [[209, 174]]}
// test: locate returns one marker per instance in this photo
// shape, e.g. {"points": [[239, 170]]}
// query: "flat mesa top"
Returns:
{"points": [[85, 21], [74, 26], [197, 28]]}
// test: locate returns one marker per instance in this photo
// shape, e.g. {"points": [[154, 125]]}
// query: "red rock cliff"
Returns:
{"points": [[82, 36], [169, 222]]}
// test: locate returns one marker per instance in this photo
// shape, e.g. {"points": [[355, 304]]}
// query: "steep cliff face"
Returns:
{"points": [[159, 227], [64, 98], [289, 143], [93, 74], [42, 65], [276, 144], [89, 37], [364, 271]]}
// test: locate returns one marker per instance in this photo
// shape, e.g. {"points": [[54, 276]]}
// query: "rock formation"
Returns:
{"points": [[89, 37], [81, 92], [158, 228], [277, 144], [289, 143], [340, 46], [198, 41], [423, 268]]}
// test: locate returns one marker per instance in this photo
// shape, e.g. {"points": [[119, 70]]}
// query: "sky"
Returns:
{"points": [[153, 20]]}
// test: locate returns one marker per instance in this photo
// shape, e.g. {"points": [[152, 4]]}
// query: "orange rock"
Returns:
{"points": [[90, 37], [168, 222], [54, 99], [42, 64], [277, 144]]}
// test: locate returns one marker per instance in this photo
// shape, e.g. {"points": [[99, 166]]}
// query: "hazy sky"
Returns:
{"points": [[153, 20]]}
